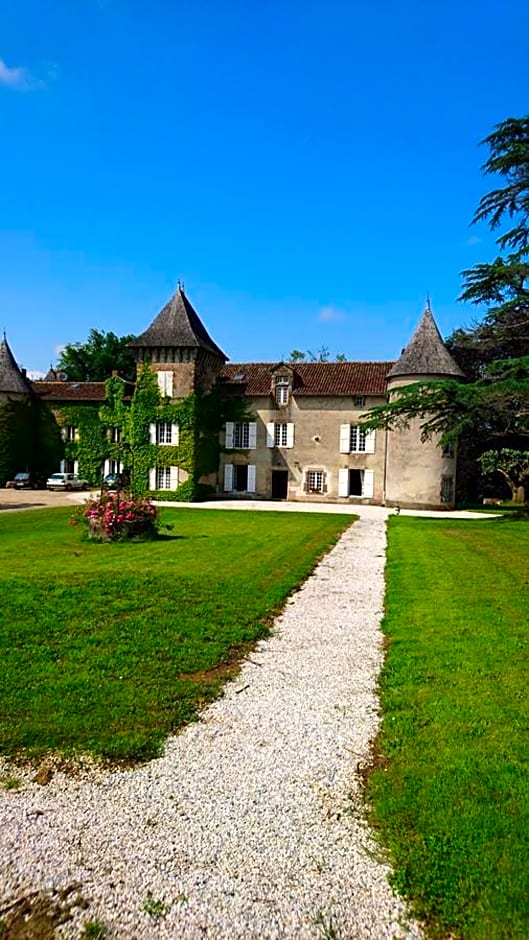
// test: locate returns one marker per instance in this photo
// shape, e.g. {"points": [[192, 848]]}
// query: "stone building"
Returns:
{"points": [[296, 432]]}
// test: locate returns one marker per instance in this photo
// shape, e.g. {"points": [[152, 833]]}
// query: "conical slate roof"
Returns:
{"points": [[178, 324], [12, 380], [426, 354]]}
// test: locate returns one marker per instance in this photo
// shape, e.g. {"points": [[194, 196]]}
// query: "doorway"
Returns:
{"points": [[279, 484], [355, 482]]}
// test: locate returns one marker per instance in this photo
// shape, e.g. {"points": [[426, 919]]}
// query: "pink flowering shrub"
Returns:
{"points": [[112, 517]]}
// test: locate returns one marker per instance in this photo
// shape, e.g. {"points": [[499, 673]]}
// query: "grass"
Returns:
{"points": [[449, 794], [107, 648]]}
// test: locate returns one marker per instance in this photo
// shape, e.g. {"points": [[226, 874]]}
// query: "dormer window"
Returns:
{"points": [[281, 389]]}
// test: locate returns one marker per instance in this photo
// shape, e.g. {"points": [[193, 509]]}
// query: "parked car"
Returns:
{"points": [[115, 481], [66, 481], [26, 481]]}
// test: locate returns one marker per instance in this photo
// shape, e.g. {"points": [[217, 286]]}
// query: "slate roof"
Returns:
{"points": [[178, 324], [310, 378], [12, 379], [426, 354]]}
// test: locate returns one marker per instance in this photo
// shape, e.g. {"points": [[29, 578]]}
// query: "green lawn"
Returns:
{"points": [[450, 795], [107, 648]]}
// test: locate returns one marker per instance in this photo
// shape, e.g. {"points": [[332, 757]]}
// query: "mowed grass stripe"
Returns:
{"points": [[108, 648], [451, 796]]}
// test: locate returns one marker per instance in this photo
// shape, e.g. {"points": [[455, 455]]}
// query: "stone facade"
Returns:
{"points": [[301, 437]]}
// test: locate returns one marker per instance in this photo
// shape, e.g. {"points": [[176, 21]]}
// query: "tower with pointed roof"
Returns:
{"points": [[179, 349], [14, 385], [418, 473]]}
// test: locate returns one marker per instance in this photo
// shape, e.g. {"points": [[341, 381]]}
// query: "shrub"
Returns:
{"points": [[112, 517]]}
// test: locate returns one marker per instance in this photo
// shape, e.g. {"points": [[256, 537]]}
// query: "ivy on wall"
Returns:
{"points": [[27, 427], [29, 439]]}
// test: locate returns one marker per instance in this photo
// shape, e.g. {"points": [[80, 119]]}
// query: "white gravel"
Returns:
{"points": [[251, 825]]}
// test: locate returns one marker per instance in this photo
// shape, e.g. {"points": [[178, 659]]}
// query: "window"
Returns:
{"points": [[165, 383], [241, 435], [282, 386], [239, 478], [70, 433], [164, 433], [353, 482], [114, 435], [163, 478], [448, 450], [447, 489], [359, 401], [315, 481], [280, 434], [355, 439]]}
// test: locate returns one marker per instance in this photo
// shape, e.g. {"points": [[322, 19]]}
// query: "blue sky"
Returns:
{"points": [[308, 168]]}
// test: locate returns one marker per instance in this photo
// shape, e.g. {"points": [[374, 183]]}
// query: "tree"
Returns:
{"points": [[513, 465], [98, 357], [495, 353], [321, 355]]}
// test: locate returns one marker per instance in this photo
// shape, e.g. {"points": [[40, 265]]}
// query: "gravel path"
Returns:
{"points": [[251, 824]]}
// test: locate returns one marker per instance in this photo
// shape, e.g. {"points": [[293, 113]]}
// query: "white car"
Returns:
{"points": [[66, 481]]}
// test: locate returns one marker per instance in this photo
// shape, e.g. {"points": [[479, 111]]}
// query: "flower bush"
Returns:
{"points": [[113, 517]]}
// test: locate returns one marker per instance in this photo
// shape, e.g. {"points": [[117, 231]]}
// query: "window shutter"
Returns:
{"points": [[290, 434], [252, 435], [343, 482], [345, 438], [152, 478], [251, 479], [152, 433], [174, 477], [270, 434], [62, 466], [368, 484], [169, 384], [370, 442], [229, 435], [175, 435], [76, 466], [106, 467], [228, 477]]}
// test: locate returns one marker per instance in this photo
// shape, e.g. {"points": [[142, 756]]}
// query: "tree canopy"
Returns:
{"points": [[98, 357], [493, 406]]}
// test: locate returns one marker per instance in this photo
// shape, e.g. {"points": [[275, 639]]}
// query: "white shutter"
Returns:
{"points": [[370, 442], [173, 477], [152, 433], [152, 478], [343, 482], [290, 434], [368, 484], [251, 479], [229, 435], [175, 435], [345, 438], [252, 435], [270, 434], [106, 467], [165, 383], [62, 466], [228, 477], [76, 466]]}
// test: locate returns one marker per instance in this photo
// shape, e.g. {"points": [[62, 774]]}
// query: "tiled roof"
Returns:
{"points": [[178, 324], [426, 354], [310, 378], [74, 391]]}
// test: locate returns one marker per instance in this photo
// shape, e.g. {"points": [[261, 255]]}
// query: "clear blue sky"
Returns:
{"points": [[308, 168]]}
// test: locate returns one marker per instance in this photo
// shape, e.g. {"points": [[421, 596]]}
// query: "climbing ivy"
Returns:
{"points": [[29, 439]]}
